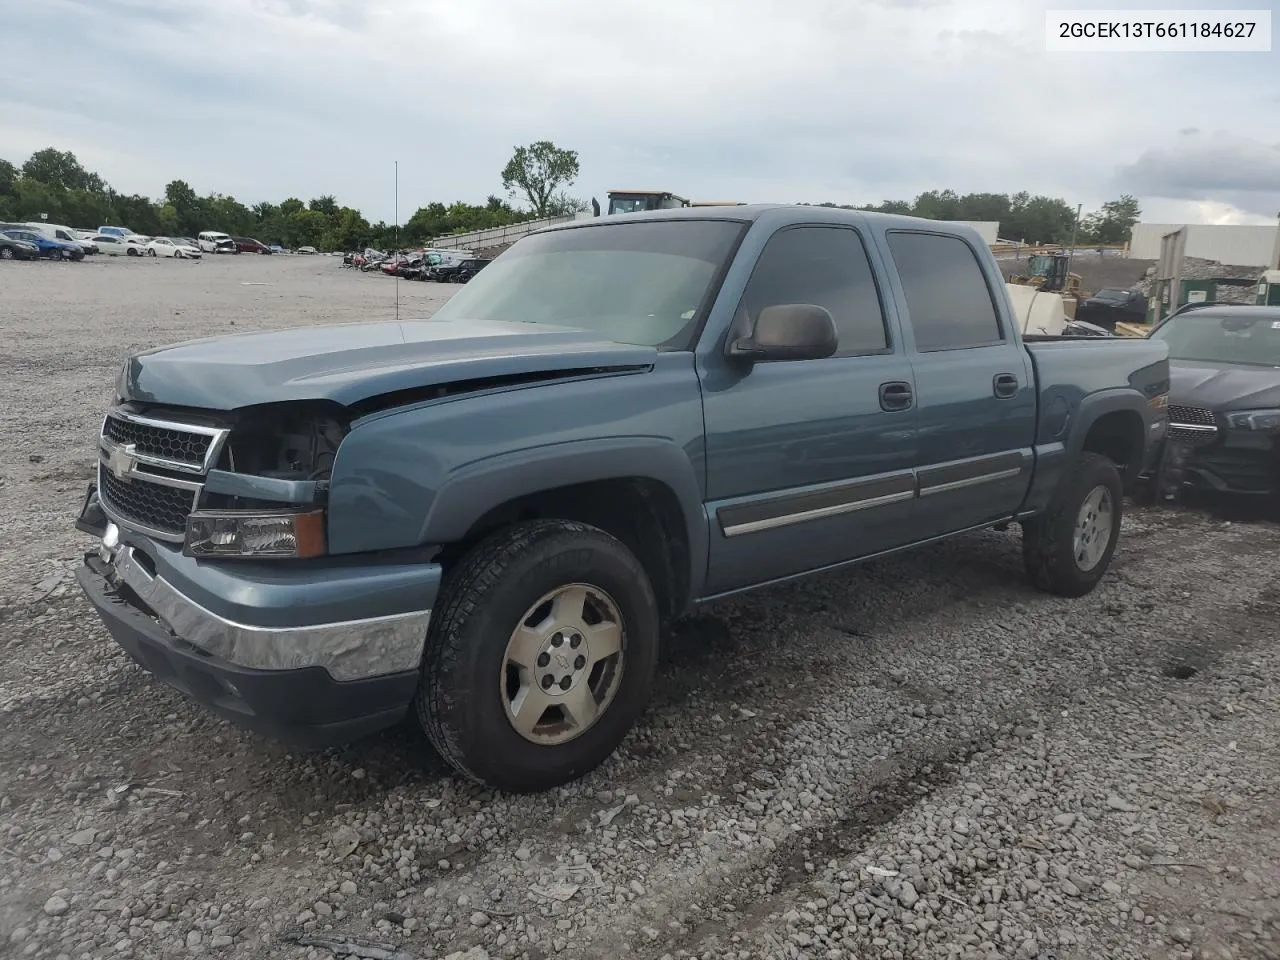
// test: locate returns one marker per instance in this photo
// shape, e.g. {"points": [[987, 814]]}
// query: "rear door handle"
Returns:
{"points": [[1004, 385], [896, 395]]}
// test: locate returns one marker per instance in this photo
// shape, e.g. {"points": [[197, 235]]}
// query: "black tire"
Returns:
{"points": [[1048, 540], [132, 252], [151, 253], [460, 701]]}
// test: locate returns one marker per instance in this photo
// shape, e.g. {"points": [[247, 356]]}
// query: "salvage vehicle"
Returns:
{"points": [[484, 520], [1224, 400], [169, 247], [54, 231], [250, 245], [13, 248], [1110, 306], [460, 272], [49, 248], [211, 241], [116, 246]]}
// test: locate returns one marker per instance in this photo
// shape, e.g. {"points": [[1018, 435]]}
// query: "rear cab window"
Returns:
{"points": [[950, 305]]}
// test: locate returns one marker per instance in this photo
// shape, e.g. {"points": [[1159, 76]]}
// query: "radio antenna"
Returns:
{"points": [[397, 253]]}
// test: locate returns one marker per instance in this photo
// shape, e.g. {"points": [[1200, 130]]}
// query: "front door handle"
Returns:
{"points": [[895, 395], [1004, 385]]}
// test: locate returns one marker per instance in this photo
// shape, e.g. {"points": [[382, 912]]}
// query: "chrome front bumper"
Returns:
{"points": [[346, 650]]}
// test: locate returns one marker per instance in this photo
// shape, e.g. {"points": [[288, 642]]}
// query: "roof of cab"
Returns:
{"points": [[793, 213]]}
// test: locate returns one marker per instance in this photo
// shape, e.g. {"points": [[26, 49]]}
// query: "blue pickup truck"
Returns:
{"points": [[482, 522]]}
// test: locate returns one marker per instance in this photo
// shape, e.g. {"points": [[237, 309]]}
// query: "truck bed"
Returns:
{"points": [[1074, 367]]}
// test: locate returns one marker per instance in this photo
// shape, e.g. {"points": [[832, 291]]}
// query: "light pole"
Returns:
{"points": [[1075, 228]]}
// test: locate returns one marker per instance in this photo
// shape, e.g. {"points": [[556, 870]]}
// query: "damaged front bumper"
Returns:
{"points": [[264, 645]]}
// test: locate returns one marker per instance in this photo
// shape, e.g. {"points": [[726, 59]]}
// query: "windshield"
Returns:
{"points": [[631, 205], [1116, 295], [1218, 339], [640, 283]]}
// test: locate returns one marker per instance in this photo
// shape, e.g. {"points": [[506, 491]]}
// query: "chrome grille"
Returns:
{"points": [[1190, 436], [150, 507], [151, 471], [170, 442], [1194, 416]]}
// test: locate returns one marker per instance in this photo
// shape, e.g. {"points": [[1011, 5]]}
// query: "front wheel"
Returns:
{"points": [[540, 655], [132, 252], [1069, 547], [151, 253]]}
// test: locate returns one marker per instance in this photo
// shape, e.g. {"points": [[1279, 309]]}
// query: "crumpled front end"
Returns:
{"points": [[212, 572]]}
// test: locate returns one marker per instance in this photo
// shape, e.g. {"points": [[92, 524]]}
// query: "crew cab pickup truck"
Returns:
{"points": [[483, 521]]}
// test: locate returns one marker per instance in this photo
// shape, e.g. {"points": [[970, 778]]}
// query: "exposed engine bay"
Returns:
{"points": [[285, 442]]}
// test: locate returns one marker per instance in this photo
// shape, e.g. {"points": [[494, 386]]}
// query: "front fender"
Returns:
{"points": [[423, 474], [473, 491]]}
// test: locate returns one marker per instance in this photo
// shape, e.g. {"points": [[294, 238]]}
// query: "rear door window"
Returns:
{"points": [[949, 302]]}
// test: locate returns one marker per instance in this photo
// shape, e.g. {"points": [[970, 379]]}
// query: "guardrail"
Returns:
{"points": [[494, 236]]}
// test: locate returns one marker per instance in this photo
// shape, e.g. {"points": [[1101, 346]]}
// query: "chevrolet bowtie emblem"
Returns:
{"points": [[120, 459]]}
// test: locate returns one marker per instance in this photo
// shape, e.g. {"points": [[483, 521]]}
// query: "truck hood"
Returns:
{"points": [[1224, 386], [350, 363]]}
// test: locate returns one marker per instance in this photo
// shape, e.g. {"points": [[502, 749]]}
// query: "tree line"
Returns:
{"points": [[1022, 216], [54, 183]]}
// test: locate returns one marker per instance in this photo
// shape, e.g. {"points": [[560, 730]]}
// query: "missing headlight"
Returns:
{"points": [[293, 441]]}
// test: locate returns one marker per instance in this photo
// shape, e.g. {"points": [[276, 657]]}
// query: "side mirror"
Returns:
{"points": [[793, 331]]}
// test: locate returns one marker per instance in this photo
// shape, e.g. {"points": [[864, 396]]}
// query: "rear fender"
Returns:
{"points": [[1055, 458]]}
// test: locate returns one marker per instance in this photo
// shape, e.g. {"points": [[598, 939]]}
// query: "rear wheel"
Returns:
{"points": [[6, 253], [540, 655], [132, 252], [1069, 547], [151, 252]]}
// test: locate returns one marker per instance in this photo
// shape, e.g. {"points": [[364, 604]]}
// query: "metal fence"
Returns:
{"points": [[495, 236]]}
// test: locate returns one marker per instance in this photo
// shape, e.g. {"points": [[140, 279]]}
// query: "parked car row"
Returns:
{"points": [[30, 241], [441, 266]]}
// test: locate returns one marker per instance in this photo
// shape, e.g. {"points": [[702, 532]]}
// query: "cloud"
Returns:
{"points": [[842, 100], [1217, 167]]}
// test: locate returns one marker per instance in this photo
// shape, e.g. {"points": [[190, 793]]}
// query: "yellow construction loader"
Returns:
{"points": [[1048, 272], [635, 201]]}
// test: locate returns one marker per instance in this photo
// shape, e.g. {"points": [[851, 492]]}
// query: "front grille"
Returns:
{"points": [[1191, 438], [1196, 416], [154, 506], [179, 446]]}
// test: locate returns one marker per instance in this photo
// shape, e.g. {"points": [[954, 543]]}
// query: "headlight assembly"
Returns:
{"points": [[1264, 421], [250, 534]]}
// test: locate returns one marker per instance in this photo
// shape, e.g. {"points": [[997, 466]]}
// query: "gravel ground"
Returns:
{"points": [[923, 757]]}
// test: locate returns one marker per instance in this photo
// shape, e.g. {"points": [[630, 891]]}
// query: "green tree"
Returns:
{"points": [[8, 176], [326, 205], [60, 168], [1113, 223], [539, 171]]}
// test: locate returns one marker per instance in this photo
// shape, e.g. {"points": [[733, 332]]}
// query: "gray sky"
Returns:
{"points": [[851, 101]]}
